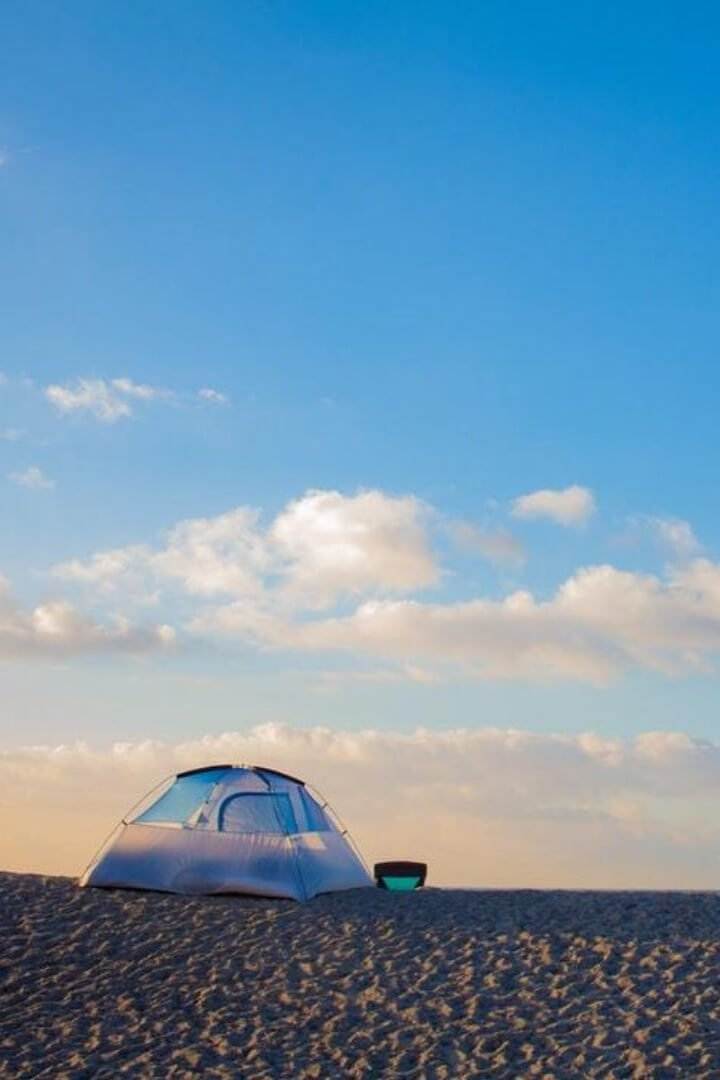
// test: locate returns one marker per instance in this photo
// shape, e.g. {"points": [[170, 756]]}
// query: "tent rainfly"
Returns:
{"points": [[231, 829]]}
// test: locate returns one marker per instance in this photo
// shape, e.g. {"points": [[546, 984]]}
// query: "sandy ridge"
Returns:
{"points": [[439, 984]]}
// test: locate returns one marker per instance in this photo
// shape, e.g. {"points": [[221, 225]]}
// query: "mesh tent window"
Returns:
{"points": [[257, 812], [183, 799], [316, 818]]}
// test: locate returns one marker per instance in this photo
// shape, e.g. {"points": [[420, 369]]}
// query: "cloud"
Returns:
{"points": [[333, 573], [676, 536], [10, 434], [600, 623], [213, 396], [57, 629], [223, 555], [484, 806], [140, 390], [106, 401], [570, 506], [333, 545], [319, 549], [497, 545], [93, 395], [32, 477]]}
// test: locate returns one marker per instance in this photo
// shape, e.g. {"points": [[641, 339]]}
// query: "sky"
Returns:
{"points": [[358, 409]]}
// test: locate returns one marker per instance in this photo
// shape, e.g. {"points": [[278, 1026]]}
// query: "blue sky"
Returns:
{"points": [[455, 255]]}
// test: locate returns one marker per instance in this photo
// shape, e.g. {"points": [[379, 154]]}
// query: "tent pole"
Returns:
{"points": [[122, 822], [344, 831]]}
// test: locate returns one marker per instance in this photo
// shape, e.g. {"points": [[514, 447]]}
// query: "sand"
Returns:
{"points": [[436, 983]]}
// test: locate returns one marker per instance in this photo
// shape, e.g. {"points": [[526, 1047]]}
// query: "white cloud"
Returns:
{"points": [[600, 623], [483, 806], [676, 536], [223, 555], [57, 629], [107, 569], [336, 573], [334, 546], [10, 434], [106, 401], [320, 548], [673, 536], [140, 390], [93, 395], [497, 545], [213, 396], [569, 506], [32, 477]]}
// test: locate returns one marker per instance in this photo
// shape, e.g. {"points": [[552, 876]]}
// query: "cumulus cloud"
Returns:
{"points": [[600, 623], [569, 506], [32, 477], [318, 549], [107, 401], [213, 396], [484, 807], [203, 556], [224, 554], [57, 629], [497, 545], [336, 573], [333, 545]]}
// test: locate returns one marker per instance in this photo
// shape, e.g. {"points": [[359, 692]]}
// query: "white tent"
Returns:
{"points": [[231, 829]]}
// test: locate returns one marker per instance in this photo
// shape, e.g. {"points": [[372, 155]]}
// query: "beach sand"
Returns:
{"points": [[436, 983]]}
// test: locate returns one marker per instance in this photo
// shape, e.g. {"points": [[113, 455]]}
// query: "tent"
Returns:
{"points": [[231, 829]]}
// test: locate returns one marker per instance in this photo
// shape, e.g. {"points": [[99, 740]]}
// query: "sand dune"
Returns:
{"points": [[367, 984]]}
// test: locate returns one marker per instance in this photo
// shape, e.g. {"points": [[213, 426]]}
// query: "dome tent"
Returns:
{"points": [[231, 829]]}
